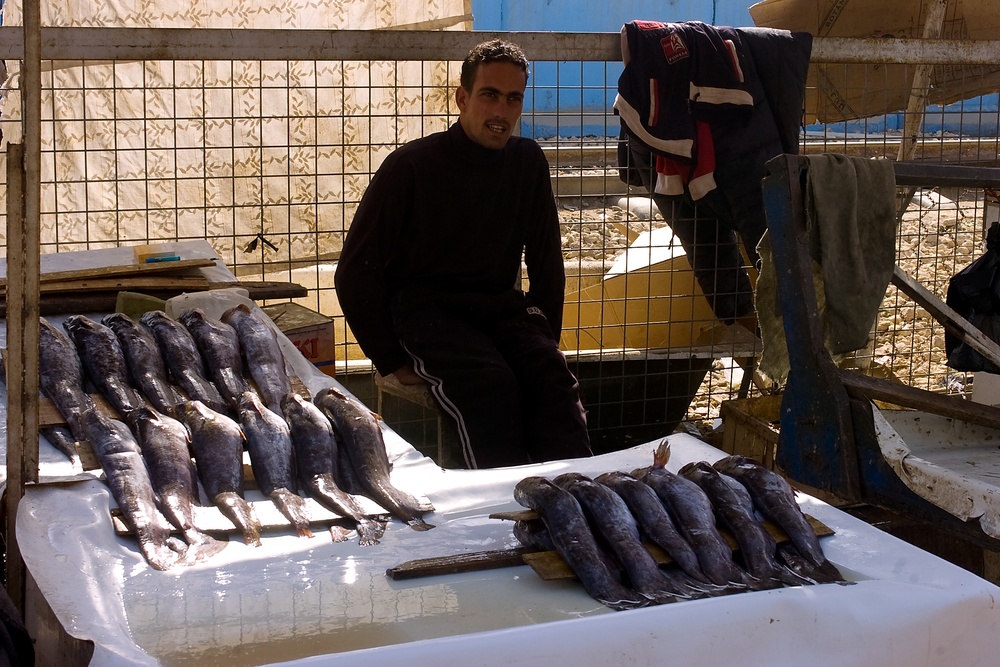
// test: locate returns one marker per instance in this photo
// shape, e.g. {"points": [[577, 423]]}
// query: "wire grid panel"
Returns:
{"points": [[268, 160]]}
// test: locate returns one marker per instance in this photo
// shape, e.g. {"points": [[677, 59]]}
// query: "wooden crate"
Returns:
{"points": [[750, 427]]}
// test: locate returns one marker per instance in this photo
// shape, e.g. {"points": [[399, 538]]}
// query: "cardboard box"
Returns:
{"points": [[309, 331], [648, 299], [838, 92]]}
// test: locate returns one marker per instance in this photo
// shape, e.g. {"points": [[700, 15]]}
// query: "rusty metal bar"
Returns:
{"points": [[101, 44]]}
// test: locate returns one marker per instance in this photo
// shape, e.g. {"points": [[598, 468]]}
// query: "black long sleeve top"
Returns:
{"points": [[444, 215]]}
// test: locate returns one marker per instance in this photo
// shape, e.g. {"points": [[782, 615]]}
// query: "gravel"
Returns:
{"points": [[938, 236]]}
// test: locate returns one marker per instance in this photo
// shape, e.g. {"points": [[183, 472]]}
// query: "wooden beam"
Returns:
{"points": [[875, 389], [956, 325]]}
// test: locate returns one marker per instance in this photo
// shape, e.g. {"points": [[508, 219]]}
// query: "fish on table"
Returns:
{"points": [[359, 432], [183, 359], [61, 381], [104, 362], [220, 349], [264, 359], [574, 541], [128, 479], [272, 459], [315, 446], [163, 442], [774, 498], [217, 441], [145, 362]]}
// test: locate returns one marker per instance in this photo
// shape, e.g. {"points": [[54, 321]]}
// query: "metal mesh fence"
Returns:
{"points": [[268, 158]]}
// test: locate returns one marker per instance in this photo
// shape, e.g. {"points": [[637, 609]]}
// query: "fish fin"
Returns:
{"points": [[662, 454]]}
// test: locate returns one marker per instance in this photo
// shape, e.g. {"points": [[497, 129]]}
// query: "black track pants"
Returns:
{"points": [[501, 376]]}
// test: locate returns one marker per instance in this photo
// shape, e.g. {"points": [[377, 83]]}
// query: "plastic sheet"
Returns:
{"points": [[304, 602], [308, 601], [951, 463]]}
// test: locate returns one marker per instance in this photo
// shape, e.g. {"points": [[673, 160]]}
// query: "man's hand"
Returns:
{"points": [[406, 375]]}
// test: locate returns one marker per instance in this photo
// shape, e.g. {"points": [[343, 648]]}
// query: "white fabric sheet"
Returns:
{"points": [[311, 602], [306, 602]]}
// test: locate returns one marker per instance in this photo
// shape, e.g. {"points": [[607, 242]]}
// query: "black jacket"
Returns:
{"points": [[445, 217]]}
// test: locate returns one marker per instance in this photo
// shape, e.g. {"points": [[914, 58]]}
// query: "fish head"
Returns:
{"points": [[191, 317], [235, 313], [78, 323], [251, 402], [116, 321], [291, 400], [193, 411], [568, 478], [152, 317]]}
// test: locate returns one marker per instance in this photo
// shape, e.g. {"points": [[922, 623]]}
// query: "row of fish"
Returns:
{"points": [[190, 395], [599, 526]]}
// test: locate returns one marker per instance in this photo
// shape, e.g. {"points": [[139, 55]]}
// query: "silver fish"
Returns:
{"points": [[654, 520], [104, 361], [183, 359], [164, 444], [145, 362], [217, 442], [272, 459], [220, 349], [573, 540], [359, 432], [695, 518], [315, 450], [610, 517], [264, 359], [773, 496], [126, 475]]}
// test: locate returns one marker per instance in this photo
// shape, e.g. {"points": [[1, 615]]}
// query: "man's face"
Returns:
{"points": [[490, 110]]}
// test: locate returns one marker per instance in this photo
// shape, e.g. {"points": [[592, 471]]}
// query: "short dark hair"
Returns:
{"points": [[493, 51]]}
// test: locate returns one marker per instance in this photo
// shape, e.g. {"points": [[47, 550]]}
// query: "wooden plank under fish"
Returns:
{"points": [[209, 519], [474, 561], [548, 565]]}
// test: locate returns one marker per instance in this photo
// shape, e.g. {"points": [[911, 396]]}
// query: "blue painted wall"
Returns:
{"points": [[573, 99], [600, 15]]}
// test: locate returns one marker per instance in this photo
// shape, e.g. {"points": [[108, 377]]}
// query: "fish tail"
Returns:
{"points": [[369, 531], [237, 510], [339, 533], [155, 549], [417, 523], [293, 506], [202, 547]]}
